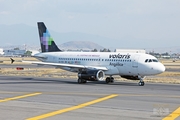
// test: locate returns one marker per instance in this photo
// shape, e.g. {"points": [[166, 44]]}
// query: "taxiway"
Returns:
{"points": [[54, 99]]}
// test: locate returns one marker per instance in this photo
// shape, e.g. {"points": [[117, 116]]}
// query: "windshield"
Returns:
{"points": [[151, 60]]}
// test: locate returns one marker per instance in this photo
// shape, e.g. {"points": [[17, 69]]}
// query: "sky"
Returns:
{"points": [[140, 23]]}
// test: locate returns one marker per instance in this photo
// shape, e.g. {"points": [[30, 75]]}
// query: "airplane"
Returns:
{"points": [[94, 66]]}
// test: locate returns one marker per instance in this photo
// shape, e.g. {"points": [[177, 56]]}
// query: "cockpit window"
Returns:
{"points": [[151, 60], [154, 60]]}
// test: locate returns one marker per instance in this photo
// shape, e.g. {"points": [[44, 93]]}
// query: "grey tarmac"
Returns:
{"points": [[28, 97]]}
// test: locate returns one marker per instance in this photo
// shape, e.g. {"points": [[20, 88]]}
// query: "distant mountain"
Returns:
{"points": [[18, 34], [71, 45], [21, 34], [78, 45]]}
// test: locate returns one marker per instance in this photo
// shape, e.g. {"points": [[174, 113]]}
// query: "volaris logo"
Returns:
{"points": [[46, 40], [120, 56]]}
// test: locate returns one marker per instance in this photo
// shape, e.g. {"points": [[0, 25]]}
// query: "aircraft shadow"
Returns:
{"points": [[31, 80]]}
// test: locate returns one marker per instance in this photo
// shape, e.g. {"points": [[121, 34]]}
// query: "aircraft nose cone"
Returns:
{"points": [[161, 68]]}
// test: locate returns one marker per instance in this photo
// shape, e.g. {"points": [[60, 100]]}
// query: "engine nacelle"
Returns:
{"points": [[91, 75], [130, 77]]}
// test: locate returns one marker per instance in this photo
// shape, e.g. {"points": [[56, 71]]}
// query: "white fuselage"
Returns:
{"points": [[133, 64]]}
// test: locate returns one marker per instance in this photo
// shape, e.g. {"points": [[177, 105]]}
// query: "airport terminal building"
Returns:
{"points": [[14, 52]]}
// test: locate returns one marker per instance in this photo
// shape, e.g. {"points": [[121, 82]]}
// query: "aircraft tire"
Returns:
{"points": [[112, 80], [108, 80], [84, 81], [79, 81], [141, 83]]}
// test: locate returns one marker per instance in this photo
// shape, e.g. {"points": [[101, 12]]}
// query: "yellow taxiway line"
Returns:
{"points": [[19, 97], [173, 115], [72, 108]]}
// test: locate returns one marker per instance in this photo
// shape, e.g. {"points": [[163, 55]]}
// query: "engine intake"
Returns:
{"points": [[91, 75]]}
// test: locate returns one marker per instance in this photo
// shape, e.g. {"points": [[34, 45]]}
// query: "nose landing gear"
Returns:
{"points": [[141, 83]]}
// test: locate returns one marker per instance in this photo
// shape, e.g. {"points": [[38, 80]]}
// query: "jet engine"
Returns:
{"points": [[91, 75]]}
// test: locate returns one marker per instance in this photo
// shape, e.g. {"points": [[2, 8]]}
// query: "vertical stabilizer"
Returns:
{"points": [[46, 41]]}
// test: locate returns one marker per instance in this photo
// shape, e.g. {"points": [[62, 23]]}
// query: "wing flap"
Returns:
{"points": [[66, 65]]}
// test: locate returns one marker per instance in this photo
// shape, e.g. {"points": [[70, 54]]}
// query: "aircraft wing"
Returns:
{"points": [[66, 65]]}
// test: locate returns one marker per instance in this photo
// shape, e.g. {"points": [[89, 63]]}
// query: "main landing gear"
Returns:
{"points": [[141, 83], [80, 81], [109, 79]]}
